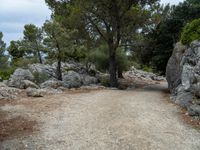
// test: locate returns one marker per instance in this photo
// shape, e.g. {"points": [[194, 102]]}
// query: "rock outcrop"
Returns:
{"points": [[21, 79], [41, 79], [183, 76], [136, 73]]}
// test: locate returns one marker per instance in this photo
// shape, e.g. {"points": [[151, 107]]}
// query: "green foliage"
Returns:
{"points": [[113, 22], [30, 46], [123, 63], [24, 62], [40, 77], [159, 42], [32, 42], [5, 74], [61, 42], [191, 32], [147, 69], [2, 45], [135, 64], [4, 68], [105, 80], [15, 50], [100, 58]]}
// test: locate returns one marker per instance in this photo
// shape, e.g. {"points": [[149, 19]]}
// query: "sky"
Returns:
{"points": [[14, 14]]}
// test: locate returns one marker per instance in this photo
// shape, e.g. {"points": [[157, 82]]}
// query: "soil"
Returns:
{"points": [[141, 118]]}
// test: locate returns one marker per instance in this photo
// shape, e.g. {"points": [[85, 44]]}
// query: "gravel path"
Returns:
{"points": [[140, 119]]}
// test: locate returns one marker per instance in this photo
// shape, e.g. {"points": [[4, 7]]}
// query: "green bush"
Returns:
{"points": [[100, 57], [191, 32], [24, 62], [147, 69], [7, 73], [105, 80], [40, 77]]}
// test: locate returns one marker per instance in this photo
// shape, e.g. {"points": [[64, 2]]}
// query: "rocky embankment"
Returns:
{"points": [[41, 79], [183, 76]]}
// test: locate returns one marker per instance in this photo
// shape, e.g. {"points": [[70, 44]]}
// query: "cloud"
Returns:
{"points": [[14, 14]]}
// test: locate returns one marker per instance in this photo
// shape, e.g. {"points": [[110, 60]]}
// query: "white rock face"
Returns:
{"points": [[183, 76]]}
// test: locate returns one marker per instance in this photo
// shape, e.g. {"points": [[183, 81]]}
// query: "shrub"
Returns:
{"points": [[105, 80], [24, 62], [191, 32], [100, 57], [40, 77], [7, 73], [147, 69]]}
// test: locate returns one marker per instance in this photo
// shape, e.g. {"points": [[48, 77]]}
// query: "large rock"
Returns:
{"points": [[32, 92], [16, 80], [27, 84], [8, 93], [72, 79], [187, 76], [88, 80], [52, 83], [194, 110], [183, 76], [182, 97], [173, 71], [2, 84], [43, 70]]}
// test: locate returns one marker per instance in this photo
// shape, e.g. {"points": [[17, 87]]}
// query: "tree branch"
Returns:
{"points": [[97, 28]]}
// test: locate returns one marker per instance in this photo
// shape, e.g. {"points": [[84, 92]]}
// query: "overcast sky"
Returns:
{"points": [[14, 14]]}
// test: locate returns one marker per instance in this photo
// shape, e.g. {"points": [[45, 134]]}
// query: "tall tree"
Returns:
{"points": [[59, 43], [15, 50], [3, 57], [111, 20], [32, 41], [2, 45]]}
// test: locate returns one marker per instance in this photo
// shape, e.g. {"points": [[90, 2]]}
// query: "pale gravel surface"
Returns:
{"points": [[140, 119]]}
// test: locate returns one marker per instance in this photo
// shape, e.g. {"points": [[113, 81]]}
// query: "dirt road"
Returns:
{"points": [[140, 119]]}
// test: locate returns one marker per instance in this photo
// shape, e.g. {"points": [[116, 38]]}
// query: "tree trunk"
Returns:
{"points": [[59, 70], [40, 57], [120, 73], [112, 67]]}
